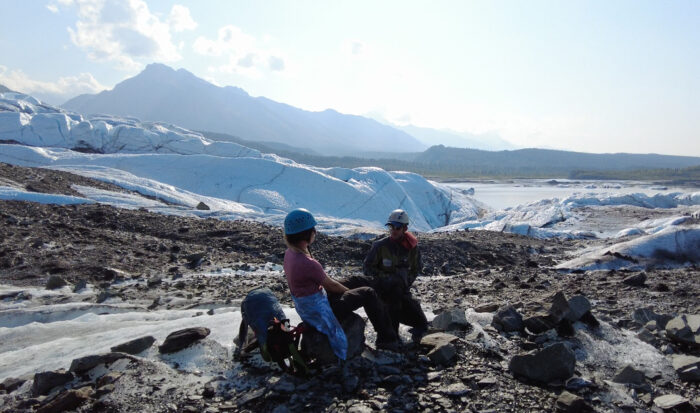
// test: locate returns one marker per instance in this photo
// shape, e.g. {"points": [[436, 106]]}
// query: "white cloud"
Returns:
{"points": [[58, 91], [180, 19], [52, 8], [126, 32], [244, 54]]}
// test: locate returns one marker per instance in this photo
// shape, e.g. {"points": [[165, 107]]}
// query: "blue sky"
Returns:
{"points": [[593, 76]]}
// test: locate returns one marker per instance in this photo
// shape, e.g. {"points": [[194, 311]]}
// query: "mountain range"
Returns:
{"points": [[160, 93]]}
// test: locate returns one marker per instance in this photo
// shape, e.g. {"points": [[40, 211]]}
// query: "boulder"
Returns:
{"points": [[578, 306], [54, 282], [69, 400], [443, 354], [442, 351], [202, 206], [47, 380], [507, 319], [454, 319], [83, 364], [629, 375], [11, 384], [79, 286], [571, 403], [315, 345], [687, 367], [672, 402], [181, 339], [636, 280], [560, 307], [555, 362], [134, 346], [647, 314], [539, 323], [685, 329]]}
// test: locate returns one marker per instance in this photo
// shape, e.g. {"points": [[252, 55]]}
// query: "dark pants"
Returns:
{"points": [[344, 304], [402, 307]]}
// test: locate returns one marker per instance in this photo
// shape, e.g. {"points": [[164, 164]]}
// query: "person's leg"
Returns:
{"points": [[366, 297], [412, 315], [357, 281]]}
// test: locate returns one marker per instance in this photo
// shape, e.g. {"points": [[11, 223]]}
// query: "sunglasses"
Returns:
{"points": [[394, 226]]}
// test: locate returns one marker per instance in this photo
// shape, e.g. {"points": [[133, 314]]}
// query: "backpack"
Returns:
{"points": [[282, 347]]}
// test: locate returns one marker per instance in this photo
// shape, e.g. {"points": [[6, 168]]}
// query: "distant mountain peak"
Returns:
{"points": [[161, 93]]}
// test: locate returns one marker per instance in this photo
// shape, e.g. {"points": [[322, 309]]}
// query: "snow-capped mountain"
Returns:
{"points": [[160, 93]]}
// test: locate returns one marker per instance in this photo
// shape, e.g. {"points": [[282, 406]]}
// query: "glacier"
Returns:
{"points": [[183, 167]]}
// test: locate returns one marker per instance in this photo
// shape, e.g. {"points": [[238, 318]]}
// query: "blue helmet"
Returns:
{"points": [[298, 221]]}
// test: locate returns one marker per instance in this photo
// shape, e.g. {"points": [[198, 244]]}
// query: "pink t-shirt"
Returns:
{"points": [[304, 274]]}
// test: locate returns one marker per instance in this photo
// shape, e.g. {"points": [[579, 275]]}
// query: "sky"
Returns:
{"points": [[590, 76]]}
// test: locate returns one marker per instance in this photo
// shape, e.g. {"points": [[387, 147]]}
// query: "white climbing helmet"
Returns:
{"points": [[397, 216]]}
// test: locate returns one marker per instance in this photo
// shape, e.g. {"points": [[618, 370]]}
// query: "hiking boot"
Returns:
{"points": [[417, 334]]}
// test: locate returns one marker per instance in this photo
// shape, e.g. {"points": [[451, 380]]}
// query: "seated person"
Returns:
{"points": [[319, 300]]}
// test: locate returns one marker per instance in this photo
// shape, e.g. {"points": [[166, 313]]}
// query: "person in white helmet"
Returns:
{"points": [[393, 263]]}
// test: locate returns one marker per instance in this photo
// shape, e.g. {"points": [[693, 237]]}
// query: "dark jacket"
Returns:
{"points": [[397, 263]]}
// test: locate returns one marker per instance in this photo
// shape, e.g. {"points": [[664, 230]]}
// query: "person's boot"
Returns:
{"points": [[417, 334]]}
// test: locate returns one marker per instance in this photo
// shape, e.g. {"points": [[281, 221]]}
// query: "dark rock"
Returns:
{"points": [[560, 307], [443, 354], [315, 345], [69, 400], [647, 337], [47, 380], [80, 285], [578, 383], [687, 367], [539, 323], [629, 375], [636, 280], [571, 403], [507, 319], [578, 306], [182, 339], [209, 391], [103, 296], [556, 362], [454, 319], [645, 315], [11, 384], [590, 320], [83, 364], [486, 308], [202, 206], [685, 329], [195, 260], [565, 328], [54, 282], [134, 346], [441, 350], [152, 282]]}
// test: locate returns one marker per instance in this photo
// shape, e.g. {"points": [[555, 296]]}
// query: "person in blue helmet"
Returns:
{"points": [[311, 288]]}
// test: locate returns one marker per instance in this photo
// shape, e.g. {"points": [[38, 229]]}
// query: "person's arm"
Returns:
{"points": [[333, 286]]}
